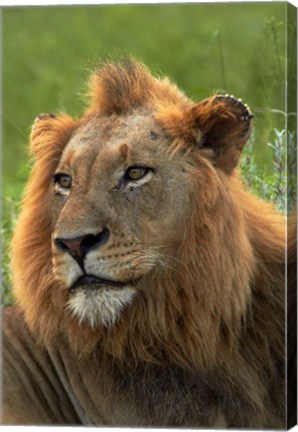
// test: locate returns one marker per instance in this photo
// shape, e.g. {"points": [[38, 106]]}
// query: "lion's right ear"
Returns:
{"points": [[50, 134], [224, 125], [220, 124]]}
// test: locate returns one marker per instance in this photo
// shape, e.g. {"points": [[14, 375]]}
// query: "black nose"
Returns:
{"points": [[78, 247]]}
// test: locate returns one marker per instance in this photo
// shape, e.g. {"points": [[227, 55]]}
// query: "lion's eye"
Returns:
{"points": [[135, 173], [63, 180]]}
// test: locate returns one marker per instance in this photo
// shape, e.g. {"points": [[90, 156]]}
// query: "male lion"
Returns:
{"points": [[150, 281]]}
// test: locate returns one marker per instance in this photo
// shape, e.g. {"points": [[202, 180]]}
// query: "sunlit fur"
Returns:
{"points": [[220, 304]]}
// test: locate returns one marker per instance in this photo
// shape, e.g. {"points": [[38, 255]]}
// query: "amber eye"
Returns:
{"points": [[135, 173], [63, 180]]}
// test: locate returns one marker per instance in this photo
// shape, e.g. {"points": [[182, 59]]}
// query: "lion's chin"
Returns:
{"points": [[100, 306], [90, 282]]}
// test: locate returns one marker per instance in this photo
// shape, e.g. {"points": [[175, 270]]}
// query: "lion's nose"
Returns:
{"points": [[78, 247]]}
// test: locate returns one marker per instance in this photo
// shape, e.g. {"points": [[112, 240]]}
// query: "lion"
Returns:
{"points": [[149, 281]]}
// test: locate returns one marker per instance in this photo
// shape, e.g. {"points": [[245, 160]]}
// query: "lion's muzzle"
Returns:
{"points": [[78, 247]]}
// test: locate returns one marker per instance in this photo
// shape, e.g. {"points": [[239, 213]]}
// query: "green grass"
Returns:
{"points": [[48, 51], [205, 48]]}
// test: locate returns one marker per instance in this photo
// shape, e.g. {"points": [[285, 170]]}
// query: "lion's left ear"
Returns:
{"points": [[224, 126], [49, 135]]}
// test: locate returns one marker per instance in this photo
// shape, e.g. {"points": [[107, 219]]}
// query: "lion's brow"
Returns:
{"points": [[124, 151]]}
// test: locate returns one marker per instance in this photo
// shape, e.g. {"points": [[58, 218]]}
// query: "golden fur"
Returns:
{"points": [[219, 305]]}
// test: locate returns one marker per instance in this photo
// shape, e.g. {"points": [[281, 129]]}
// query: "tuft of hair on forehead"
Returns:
{"points": [[120, 87]]}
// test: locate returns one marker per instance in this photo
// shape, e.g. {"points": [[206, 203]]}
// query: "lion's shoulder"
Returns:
{"points": [[32, 391]]}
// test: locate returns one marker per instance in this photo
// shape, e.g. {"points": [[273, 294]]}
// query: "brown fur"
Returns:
{"points": [[221, 312]]}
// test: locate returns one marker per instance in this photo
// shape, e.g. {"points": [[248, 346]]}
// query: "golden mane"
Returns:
{"points": [[117, 88], [228, 270]]}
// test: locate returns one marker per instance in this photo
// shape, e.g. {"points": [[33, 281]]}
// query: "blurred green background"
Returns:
{"points": [[236, 48], [47, 51]]}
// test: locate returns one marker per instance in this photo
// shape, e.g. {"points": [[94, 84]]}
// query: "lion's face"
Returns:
{"points": [[120, 200], [128, 233]]}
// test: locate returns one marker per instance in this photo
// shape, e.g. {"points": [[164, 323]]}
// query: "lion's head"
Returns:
{"points": [[132, 232]]}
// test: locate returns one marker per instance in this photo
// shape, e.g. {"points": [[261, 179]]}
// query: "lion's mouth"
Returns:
{"points": [[94, 282]]}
